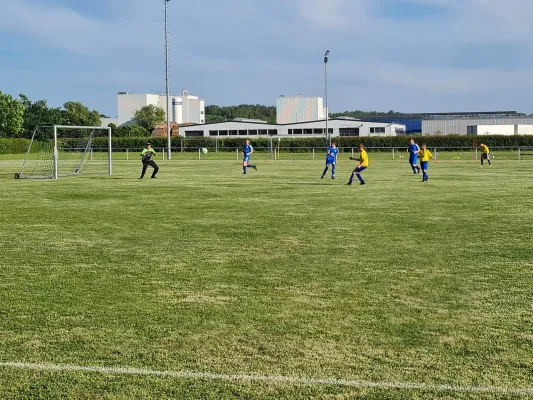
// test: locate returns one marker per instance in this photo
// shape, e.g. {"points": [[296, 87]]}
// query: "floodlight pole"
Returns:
{"points": [[328, 137], [169, 133]]}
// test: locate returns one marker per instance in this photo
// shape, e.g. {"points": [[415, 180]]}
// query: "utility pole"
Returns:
{"points": [[328, 137], [169, 133]]}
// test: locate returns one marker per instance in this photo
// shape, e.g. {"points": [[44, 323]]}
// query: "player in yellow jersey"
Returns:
{"points": [[485, 154], [363, 164], [425, 155]]}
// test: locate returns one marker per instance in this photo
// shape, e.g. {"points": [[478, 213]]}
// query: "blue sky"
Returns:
{"points": [[405, 55]]}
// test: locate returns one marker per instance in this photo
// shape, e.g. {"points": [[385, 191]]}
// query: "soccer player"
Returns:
{"points": [[425, 155], [247, 151], [146, 155], [363, 164], [485, 154], [331, 159], [413, 156]]}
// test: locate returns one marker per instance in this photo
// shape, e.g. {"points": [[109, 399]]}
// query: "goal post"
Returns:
{"points": [[62, 150]]}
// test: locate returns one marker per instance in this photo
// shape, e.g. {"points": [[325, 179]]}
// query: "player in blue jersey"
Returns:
{"points": [[247, 151], [331, 159], [413, 156]]}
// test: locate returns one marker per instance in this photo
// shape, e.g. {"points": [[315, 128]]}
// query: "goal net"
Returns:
{"points": [[57, 151]]}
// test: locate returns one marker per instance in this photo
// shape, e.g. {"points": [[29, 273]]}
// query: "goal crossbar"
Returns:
{"points": [[51, 163], [56, 149]]}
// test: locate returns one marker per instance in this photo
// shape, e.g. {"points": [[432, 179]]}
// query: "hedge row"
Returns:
{"points": [[14, 146], [17, 146], [303, 143]]}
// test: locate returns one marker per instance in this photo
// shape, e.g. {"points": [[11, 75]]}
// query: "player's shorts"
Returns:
{"points": [[424, 165], [413, 159], [330, 161], [485, 156], [246, 159]]}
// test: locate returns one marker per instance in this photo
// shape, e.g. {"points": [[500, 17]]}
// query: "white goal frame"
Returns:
{"points": [[56, 149]]}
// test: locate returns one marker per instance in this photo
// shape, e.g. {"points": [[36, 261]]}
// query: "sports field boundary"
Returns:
{"points": [[271, 379]]}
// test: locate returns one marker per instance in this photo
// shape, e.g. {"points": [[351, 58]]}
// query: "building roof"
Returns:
{"points": [[295, 123]]}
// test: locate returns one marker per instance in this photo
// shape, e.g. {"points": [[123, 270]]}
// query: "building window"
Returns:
{"points": [[290, 131], [297, 131], [308, 131], [194, 133], [377, 130], [263, 132], [233, 133], [213, 133], [243, 132], [272, 132], [254, 132], [318, 131], [330, 130], [349, 131], [223, 133]]}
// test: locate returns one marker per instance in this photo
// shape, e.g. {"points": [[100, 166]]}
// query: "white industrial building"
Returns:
{"points": [[502, 130], [184, 108], [337, 127], [463, 126], [105, 121], [290, 110]]}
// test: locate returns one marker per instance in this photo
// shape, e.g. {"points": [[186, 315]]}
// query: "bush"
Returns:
{"points": [[15, 146]]}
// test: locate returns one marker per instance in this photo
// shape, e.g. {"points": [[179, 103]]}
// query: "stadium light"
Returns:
{"points": [[326, 59], [167, 83]]}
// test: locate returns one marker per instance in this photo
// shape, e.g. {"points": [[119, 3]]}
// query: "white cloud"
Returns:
{"points": [[64, 28], [334, 14]]}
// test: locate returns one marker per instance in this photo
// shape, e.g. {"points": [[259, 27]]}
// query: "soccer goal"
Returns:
{"points": [[59, 150]]}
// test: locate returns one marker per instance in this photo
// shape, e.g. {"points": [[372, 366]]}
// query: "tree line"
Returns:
{"points": [[20, 116], [214, 113]]}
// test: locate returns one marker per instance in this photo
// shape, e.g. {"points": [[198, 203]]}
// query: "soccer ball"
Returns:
{"points": [[204, 150]]}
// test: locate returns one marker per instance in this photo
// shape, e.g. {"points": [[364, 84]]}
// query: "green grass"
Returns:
{"points": [[273, 273]]}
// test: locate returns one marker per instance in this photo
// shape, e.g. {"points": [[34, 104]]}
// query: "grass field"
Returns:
{"points": [[404, 289]]}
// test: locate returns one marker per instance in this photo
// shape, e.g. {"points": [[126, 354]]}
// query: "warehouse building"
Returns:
{"points": [[290, 110], [184, 108], [455, 124], [501, 130], [337, 127]]}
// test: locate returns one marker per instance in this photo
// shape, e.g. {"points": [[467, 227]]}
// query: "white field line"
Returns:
{"points": [[268, 379]]}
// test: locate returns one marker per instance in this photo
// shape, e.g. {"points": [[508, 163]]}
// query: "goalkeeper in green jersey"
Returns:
{"points": [[146, 155]]}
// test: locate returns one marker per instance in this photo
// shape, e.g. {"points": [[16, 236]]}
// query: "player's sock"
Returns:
{"points": [[490, 164], [360, 179], [244, 169], [324, 173], [418, 169], [413, 168], [333, 169], [252, 166], [351, 179], [425, 177]]}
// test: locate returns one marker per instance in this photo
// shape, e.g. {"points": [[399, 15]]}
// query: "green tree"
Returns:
{"points": [[38, 113], [11, 116], [216, 113], [209, 119], [130, 131], [148, 117], [77, 114]]}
